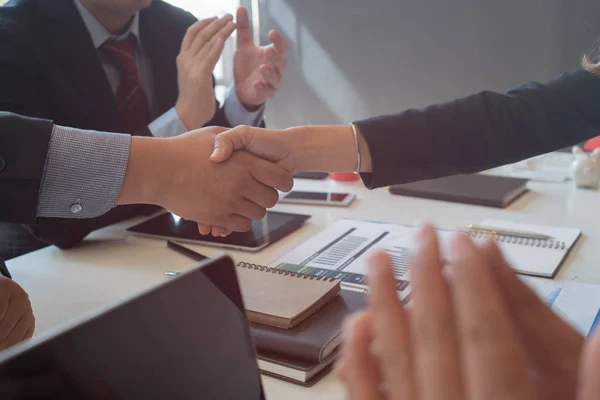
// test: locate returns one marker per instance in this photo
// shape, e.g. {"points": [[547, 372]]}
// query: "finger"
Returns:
{"points": [[244, 34], [209, 54], [216, 27], [237, 223], [262, 195], [281, 44], [589, 383], [433, 330], [270, 75], [210, 58], [4, 300], [17, 333], [204, 229], [271, 175], [29, 333], [221, 231], [11, 317], [556, 353], [390, 328], [227, 142], [193, 31], [493, 360], [249, 209], [360, 377], [278, 59], [218, 231], [265, 90]]}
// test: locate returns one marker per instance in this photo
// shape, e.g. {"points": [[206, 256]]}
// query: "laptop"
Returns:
{"points": [[186, 338]]}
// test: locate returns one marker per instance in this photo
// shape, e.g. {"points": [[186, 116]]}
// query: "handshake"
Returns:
{"points": [[219, 177]]}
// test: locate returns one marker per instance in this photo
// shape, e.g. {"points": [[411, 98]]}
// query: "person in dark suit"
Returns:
{"points": [[50, 171], [465, 135], [136, 66]]}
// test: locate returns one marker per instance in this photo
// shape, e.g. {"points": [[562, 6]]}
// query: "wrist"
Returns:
{"points": [[328, 148], [192, 119], [146, 172]]}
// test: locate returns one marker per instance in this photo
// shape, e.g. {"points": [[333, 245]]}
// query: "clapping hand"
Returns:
{"points": [[475, 333], [257, 70]]}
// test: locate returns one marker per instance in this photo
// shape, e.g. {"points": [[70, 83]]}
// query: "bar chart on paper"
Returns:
{"points": [[342, 252]]}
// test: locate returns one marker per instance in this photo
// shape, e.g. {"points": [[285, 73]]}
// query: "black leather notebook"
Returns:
{"points": [[478, 189]]}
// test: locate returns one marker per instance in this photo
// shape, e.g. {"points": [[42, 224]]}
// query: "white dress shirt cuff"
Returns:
{"points": [[167, 125], [237, 114], [83, 174]]}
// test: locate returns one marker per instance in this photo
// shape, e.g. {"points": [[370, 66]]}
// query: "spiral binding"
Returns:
{"points": [[284, 272], [522, 241]]}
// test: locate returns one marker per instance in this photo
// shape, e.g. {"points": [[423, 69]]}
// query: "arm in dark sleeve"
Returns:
{"points": [[4, 270], [23, 148], [482, 131]]}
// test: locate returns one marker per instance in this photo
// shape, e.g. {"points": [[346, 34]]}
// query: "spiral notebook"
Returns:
{"points": [[282, 299], [533, 256]]}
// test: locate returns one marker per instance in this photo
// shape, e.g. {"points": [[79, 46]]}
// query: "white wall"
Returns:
{"points": [[351, 59]]}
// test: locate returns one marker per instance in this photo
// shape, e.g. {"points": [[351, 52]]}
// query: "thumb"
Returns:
{"points": [[589, 371], [227, 142]]}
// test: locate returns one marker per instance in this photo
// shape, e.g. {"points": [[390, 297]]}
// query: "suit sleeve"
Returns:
{"points": [[23, 148], [482, 131], [3, 270]]}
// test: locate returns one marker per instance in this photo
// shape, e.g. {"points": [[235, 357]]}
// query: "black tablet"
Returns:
{"points": [[187, 338], [264, 232]]}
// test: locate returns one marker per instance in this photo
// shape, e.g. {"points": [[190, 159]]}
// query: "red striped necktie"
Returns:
{"points": [[130, 98]]}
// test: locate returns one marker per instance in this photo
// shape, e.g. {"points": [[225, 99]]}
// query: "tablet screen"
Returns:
{"points": [[186, 339], [268, 230]]}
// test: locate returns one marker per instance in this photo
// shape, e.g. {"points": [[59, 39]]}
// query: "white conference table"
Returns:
{"points": [[112, 264]]}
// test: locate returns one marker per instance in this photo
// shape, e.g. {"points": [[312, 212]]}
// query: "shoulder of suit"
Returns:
{"points": [[19, 25]]}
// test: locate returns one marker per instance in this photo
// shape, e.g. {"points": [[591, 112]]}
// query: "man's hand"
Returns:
{"points": [[200, 51], [17, 322], [272, 145], [176, 173], [257, 70], [300, 149], [467, 336]]}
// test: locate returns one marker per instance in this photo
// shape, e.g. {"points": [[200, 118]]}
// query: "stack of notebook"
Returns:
{"points": [[296, 321]]}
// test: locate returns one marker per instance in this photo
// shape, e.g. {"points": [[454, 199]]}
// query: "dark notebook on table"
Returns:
{"points": [[478, 189], [305, 353]]}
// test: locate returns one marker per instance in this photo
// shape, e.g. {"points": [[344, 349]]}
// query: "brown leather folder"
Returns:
{"points": [[314, 339], [477, 189]]}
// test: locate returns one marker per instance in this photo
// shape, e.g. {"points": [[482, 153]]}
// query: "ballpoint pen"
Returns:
{"points": [[186, 252], [490, 230]]}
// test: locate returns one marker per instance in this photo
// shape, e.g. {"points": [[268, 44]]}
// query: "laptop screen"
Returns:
{"points": [[186, 339]]}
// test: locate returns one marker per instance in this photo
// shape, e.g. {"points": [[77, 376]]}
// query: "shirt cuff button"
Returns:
{"points": [[76, 208]]}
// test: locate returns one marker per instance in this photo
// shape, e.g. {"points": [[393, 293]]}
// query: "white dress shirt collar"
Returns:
{"points": [[99, 33]]}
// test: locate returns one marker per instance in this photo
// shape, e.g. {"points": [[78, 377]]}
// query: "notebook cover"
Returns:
{"points": [[310, 339], [298, 365], [282, 299], [477, 189]]}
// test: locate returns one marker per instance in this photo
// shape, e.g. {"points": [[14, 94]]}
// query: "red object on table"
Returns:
{"points": [[592, 144], [344, 176]]}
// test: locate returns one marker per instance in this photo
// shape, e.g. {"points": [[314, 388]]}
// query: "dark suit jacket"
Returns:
{"points": [[23, 149], [4, 270], [50, 69], [482, 131]]}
